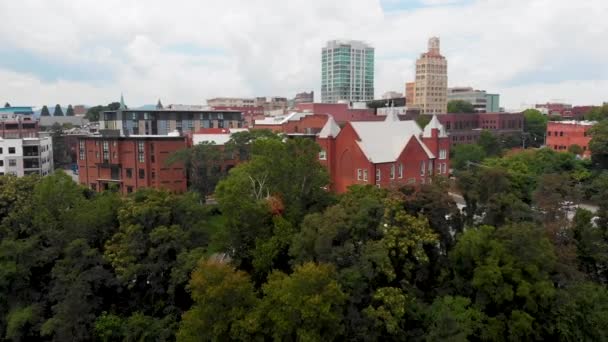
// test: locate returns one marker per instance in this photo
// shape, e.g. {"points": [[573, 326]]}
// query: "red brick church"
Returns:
{"points": [[385, 153]]}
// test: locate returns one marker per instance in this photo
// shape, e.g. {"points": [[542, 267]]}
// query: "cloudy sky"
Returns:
{"points": [[185, 51]]}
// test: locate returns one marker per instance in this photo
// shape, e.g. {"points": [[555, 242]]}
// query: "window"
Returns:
{"points": [[561, 134], [0, 150], [430, 168], [548, 133], [81, 150], [401, 170], [1, 162], [359, 174], [142, 174], [129, 173], [422, 167], [323, 155], [392, 171], [11, 150], [12, 162], [129, 189], [153, 175], [140, 152], [443, 154], [106, 151], [378, 175], [365, 175]]}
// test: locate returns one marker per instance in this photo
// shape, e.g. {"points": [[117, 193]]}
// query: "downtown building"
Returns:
{"points": [[429, 91], [347, 72]]}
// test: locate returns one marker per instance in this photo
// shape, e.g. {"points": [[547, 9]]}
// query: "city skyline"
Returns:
{"points": [[70, 55]]}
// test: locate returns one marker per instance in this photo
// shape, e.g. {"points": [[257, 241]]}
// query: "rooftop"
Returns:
{"points": [[383, 141], [574, 122]]}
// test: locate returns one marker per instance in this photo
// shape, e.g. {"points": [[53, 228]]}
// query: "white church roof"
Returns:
{"points": [[383, 141], [434, 124], [331, 128]]}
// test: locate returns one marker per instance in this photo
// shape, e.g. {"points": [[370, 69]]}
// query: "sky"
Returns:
{"points": [[186, 51]]}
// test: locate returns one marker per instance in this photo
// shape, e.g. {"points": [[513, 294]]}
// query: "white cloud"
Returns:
{"points": [[272, 47]]}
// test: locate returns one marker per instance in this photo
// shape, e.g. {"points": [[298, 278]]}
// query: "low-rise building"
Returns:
{"points": [[387, 153], [25, 156], [293, 124], [563, 134], [163, 121], [128, 163], [341, 112], [482, 101], [465, 128]]}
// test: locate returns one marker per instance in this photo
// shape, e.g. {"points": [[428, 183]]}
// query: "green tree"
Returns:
{"points": [[592, 246], [45, 111], [535, 124], [306, 305], [599, 144], [288, 172], [575, 149], [490, 144], [69, 111], [506, 273], [204, 163], [453, 319], [465, 153], [157, 233], [93, 113], [597, 113], [580, 313], [460, 106], [423, 120], [222, 299], [58, 111], [79, 279]]}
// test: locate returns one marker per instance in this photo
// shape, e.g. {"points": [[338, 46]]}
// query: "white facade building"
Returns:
{"points": [[26, 156]]}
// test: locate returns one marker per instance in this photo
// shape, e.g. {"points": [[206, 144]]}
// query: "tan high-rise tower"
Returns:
{"points": [[431, 80]]}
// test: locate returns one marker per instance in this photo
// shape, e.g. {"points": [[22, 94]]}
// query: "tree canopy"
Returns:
{"points": [[69, 111], [45, 111], [58, 111], [280, 258], [535, 124], [460, 106]]}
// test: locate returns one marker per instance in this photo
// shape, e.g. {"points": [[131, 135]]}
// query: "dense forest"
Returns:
{"points": [[280, 258]]}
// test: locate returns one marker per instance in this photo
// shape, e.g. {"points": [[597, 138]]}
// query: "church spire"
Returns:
{"points": [[159, 105]]}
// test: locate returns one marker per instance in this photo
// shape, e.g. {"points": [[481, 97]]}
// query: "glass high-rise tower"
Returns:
{"points": [[347, 71]]}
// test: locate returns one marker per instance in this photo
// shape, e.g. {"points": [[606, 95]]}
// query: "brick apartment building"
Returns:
{"points": [[130, 163], [465, 128], [563, 134], [384, 153]]}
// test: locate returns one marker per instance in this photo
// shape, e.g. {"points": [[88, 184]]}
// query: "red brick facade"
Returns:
{"points": [[348, 164], [465, 128], [310, 124], [340, 111], [130, 163], [563, 134]]}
